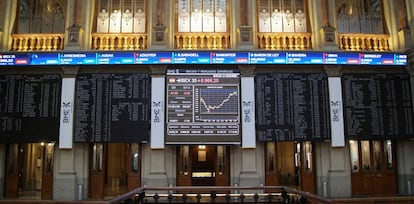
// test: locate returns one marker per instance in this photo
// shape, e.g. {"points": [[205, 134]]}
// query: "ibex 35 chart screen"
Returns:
{"points": [[203, 103]]}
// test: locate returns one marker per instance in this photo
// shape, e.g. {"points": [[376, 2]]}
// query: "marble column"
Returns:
{"points": [[64, 185], [249, 167], [157, 173], [333, 159]]}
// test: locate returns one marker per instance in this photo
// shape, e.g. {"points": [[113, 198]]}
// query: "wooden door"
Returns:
{"points": [[134, 166], [390, 170], [203, 163], [290, 164], [272, 174], [12, 175], [183, 166], [116, 173], [373, 164], [222, 169], [307, 171], [47, 171], [97, 171]]}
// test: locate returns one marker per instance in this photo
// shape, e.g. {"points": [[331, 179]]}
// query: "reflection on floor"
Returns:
{"points": [[29, 195], [115, 190]]}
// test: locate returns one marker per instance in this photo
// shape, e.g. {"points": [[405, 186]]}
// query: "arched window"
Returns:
{"points": [[41, 16], [281, 16], [121, 16], [202, 15], [359, 16]]}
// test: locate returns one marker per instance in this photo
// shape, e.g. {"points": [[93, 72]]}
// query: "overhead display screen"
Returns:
{"points": [[29, 108], [377, 106], [112, 108], [202, 57], [292, 107], [203, 106]]}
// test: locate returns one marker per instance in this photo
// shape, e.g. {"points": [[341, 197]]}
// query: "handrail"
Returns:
{"points": [[202, 40], [284, 41], [126, 196], [363, 42], [198, 189], [37, 42], [119, 41], [239, 193]]}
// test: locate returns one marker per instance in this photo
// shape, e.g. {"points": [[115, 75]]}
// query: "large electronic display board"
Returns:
{"points": [[112, 107], [203, 106], [29, 108], [377, 106], [292, 107], [202, 57]]}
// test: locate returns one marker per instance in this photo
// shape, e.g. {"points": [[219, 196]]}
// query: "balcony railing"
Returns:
{"points": [[284, 41], [217, 194], [202, 40], [222, 194], [37, 42], [363, 42], [119, 41]]}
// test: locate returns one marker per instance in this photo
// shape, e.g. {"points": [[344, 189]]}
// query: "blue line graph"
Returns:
{"points": [[219, 100]]}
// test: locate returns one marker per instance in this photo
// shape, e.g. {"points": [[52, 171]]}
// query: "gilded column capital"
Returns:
{"points": [[247, 70], [333, 70], [70, 71], [158, 70]]}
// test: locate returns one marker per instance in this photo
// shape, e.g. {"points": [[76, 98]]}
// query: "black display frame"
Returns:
{"points": [[283, 122], [369, 115], [223, 131], [32, 114], [110, 124]]}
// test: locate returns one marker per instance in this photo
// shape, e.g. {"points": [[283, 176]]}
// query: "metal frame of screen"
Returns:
{"points": [[29, 107], [203, 106]]}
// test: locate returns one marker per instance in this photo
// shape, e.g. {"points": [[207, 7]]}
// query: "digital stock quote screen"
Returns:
{"points": [[203, 106], [29, 107]]}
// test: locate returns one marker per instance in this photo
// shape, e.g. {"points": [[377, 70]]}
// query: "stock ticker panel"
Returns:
{"points": [[112, 108], [377, 106], [292, 107], [203, 103], [29, 107]]}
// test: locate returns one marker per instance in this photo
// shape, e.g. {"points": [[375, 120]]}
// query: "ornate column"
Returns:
{"points": [[157, 104], [249, 175], [65, 180], [75, 30], [329, 38], [159, 33], [245, 38], [404, 33], [9, 8], [157, 173], [333, 159]]}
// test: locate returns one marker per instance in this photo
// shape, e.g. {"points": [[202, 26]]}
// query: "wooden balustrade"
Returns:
{"points": [[284, 41], [37, 42], [202, 41], [119, 41], [266, 41], [363, 42]]}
